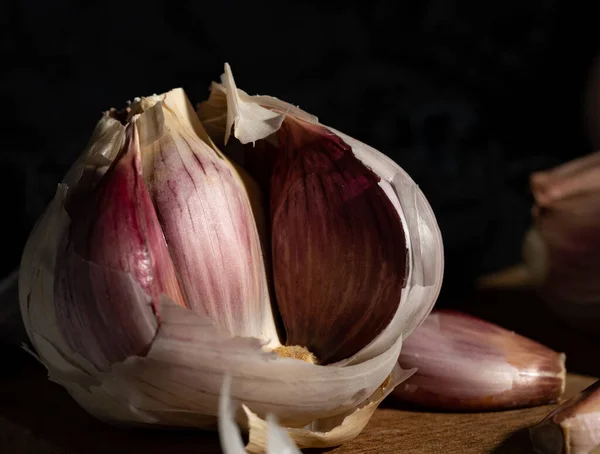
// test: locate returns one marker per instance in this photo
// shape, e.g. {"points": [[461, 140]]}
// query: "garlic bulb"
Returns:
{"points": [[465, 363], [562, 249], [573, 428], [155, 272]]}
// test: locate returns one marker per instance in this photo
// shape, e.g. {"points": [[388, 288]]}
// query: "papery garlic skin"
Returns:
{"points": [[278, 440], [562, 249], [467, 364], [573, 428], [192, 335]]}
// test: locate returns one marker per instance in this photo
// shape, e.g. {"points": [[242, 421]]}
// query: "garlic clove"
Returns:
{"points": [[425, 255], [206, 217], [573, 428], [95, 323], [127, 235], [335, 234], [561, 247], [465, 363], [572, 178], [114, 265]]}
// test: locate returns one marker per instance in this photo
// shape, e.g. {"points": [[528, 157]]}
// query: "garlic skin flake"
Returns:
{"points": [[467, 364], [192, 337], [573, 428], [278, 440]]}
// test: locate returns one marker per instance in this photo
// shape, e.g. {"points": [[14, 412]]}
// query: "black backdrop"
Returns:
{"points": [[469, 97]]}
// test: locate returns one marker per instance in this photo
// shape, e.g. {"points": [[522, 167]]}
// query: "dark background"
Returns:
{"points": [[469, 98]]}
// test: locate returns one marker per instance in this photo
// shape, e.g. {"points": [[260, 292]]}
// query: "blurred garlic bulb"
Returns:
{"points": [[467, 364], [592, 103], [562, 249], [154, 272]]}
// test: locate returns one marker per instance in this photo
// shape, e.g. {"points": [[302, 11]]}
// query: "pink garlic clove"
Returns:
{"points": [[465, 363], [115, 266], [206, 217], [340, 258]]}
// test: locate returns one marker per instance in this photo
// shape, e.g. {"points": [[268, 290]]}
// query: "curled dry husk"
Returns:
{"points": [[467, 364], [176, 380], [267, 434], [562, 249], [573, 428]]}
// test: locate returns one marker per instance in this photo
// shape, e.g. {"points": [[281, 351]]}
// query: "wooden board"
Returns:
{"points": [[37, 416], [407, 432]]}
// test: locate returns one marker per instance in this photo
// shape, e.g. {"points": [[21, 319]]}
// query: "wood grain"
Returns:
{"points": [[409, 432]]}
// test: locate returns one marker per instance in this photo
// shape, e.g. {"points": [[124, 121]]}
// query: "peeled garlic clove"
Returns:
{"points": [[338, 244], [114, 266], [573, 428], [465, 363], [562, 249]]}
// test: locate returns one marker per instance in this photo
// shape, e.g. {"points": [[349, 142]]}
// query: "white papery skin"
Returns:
{"points": [[572, 428], [583, 433], [279, 441], [178, 380]]}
